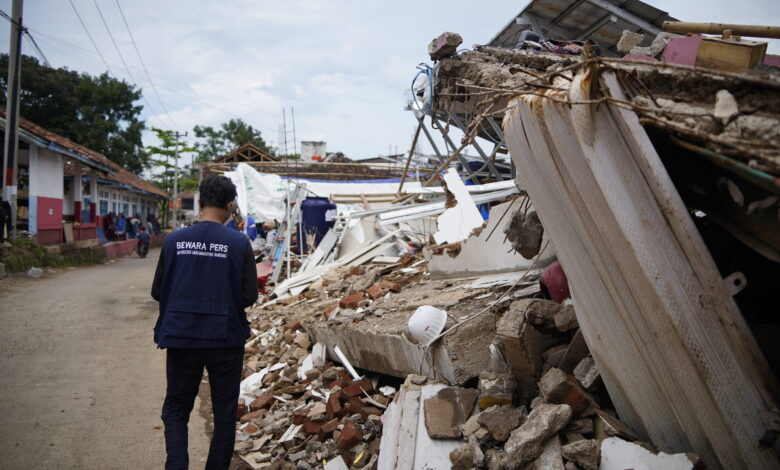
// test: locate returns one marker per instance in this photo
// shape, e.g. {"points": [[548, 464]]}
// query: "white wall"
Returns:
{"points": [[46, 173]]}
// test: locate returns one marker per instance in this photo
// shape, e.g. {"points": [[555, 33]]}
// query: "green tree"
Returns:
{"points": [[163, 156], [97, 112], [226, 138]]}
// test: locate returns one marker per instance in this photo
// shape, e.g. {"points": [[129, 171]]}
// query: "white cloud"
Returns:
{"points": [[342, 64]]}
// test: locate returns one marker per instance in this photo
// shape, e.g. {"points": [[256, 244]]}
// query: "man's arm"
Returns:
{"points": [[158, 275], [250, 276]]}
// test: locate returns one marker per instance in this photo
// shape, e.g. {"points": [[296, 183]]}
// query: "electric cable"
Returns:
{"points": [[86, 30]]}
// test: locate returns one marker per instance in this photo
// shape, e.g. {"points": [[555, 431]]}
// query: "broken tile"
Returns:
{"points": [[447, 412]]}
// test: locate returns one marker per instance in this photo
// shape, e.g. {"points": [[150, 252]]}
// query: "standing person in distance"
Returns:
{"points": [[205, 279]]}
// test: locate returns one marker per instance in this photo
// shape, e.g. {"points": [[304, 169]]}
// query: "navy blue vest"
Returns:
{"points": [[201, 294]]}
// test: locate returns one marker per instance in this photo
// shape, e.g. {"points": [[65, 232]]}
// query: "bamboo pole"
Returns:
{"points": [[718, 28]]}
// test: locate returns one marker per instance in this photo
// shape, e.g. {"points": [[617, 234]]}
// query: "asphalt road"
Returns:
{"points": [[81, 381]]}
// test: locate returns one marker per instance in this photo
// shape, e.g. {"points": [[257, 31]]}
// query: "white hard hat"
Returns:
{"points": [[426, 323]]}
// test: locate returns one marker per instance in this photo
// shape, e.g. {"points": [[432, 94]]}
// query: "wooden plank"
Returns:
{"points": [[670, 344], [730, 55]]}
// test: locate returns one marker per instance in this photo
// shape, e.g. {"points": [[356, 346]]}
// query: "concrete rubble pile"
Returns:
{"points": [[298, 410], [515, 387]]}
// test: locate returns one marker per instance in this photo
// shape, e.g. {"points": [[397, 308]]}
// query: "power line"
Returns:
{"points": [[193, 97], [146, 71], [127, 68], [90, 37], [30, 39]]}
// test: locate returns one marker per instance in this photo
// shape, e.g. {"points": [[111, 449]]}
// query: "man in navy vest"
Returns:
{"points": [[205, 278]]}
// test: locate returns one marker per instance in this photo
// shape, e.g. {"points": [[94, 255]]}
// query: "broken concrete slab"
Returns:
{"points": [[584, 453], [526, 442], [446, 412], [463, 458], [496, 389], [405, 444], [444, 45], [458, 356], [501, 421], [550, 458], [524, 232], [521, 346], [487, 252], [458, 221], [617, 454]]}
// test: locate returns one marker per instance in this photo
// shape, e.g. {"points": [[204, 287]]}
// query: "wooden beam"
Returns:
{"points": [[718, 28]]}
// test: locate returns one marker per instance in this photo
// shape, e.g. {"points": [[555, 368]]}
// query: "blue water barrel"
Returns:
{"points": [[318, 217]]}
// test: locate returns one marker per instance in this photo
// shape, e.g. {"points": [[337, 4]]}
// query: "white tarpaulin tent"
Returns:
{"points": [[261, 195]]}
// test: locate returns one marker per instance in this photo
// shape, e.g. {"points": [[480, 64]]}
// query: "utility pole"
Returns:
{"points": [[176, 135], [11, 144]]}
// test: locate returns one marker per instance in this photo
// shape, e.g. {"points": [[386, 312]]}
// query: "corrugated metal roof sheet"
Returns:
{"points": [[585, 19]]}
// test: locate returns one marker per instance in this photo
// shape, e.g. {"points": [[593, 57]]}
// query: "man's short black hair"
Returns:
{"points": [[217, 191], [142, 228]]}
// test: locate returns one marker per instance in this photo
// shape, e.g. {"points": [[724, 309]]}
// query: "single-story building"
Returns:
{"points": [[63, 185]]}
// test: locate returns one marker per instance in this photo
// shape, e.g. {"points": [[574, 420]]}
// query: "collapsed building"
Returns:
{"points": [[652, 179]]}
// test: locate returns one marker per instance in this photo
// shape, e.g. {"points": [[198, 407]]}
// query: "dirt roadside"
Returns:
{"points": [[82, 381]]}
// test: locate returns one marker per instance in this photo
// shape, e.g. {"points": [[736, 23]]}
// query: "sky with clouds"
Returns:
{"points": [[343, 65]]}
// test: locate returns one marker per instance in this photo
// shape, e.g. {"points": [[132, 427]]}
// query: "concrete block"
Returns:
{"points": [[520, 344], [526, 442], [584, 453], [457, 357]]}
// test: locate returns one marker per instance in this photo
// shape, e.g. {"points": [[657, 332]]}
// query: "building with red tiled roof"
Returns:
{"points": [[64, 184]]}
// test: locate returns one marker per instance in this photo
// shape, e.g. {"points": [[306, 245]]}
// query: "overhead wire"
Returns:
{"points": [[127, 68], [191, 97], [29, 37], [91, 39], [141, 60]]}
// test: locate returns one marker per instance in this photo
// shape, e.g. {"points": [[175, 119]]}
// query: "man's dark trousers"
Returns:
{"points": [[184, 369]]}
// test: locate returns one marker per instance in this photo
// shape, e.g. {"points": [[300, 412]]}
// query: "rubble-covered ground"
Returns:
{"points": [[535, 401]]}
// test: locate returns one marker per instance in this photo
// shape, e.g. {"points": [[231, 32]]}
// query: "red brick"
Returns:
{"points": [[327, 429], [251, 429], [293, 325], [391, 286], [367, 411], [247, 417], [407, 259], [355, 271], [375, 291], [241, 409], [299, 417], [333, 406], [357, 388], [263, 401], [352, 300], [350, 436], [328, 312], [353, 406], [312, 427]]}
